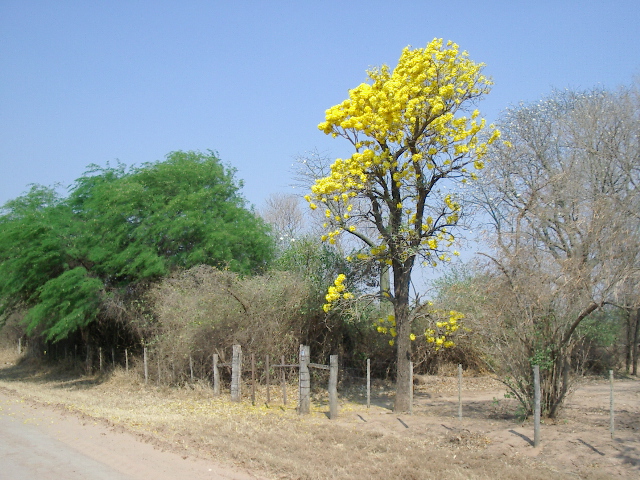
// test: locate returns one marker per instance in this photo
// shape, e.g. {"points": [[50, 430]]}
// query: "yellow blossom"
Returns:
{"points": [[410, 131]]}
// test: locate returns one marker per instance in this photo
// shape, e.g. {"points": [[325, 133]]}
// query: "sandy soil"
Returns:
{"points": [[145, 432], [40, 441], [577, 444]]}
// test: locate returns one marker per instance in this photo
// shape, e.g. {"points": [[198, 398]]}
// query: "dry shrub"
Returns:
{"points": [[11, 330], [202, 311]]}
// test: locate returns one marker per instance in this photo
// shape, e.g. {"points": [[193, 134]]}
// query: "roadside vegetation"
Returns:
{"points": [[169, 256]]}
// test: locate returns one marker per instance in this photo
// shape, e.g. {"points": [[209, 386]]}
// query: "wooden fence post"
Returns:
{"points": [[536, 406], [100, 357], [253, 379], [333, 387], [459, 391], [113, 356], [611, 418], [304, 381], [20, 346], [146, 365], [368, 382], [216, 375], [191, 367], [236, 374], [410, 388], [159, 371], [284, 383], [88, 359], [126, 359], [267, 378]]}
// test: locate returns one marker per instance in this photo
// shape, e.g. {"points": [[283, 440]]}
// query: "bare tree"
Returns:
{"points": [[562, 205], [284, 213]]}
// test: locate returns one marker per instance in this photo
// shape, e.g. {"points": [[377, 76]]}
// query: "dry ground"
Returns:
{"points": [[274, 442]]}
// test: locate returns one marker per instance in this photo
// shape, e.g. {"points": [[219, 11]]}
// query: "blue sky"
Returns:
{"points": [[91, 82]]}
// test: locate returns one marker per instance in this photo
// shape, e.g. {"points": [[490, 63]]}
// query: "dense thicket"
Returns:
{"points": [[202, 310], [81, 260]]}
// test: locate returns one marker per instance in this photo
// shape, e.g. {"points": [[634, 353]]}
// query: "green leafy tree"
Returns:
{"points": [[184, 211], [32, 245], [65, 258]]}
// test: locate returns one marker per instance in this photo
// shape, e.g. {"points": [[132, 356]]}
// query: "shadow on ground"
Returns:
{"points": [[38, 371]]}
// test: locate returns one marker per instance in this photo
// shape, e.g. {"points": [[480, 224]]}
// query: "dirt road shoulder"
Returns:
{"points": [[43, 442]]}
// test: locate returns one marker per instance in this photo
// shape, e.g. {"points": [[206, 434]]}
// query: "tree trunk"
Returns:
{"points": [[558, 383], [628, 358], [402, 340], [635, 322], [385, 281]]}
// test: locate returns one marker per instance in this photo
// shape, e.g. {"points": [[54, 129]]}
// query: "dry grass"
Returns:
{"points": [[272, 441]]}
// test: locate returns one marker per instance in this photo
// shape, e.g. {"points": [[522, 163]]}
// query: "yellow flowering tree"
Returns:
{"points": [[413, 129]]}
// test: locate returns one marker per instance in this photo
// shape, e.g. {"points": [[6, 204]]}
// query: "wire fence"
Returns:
{"points": [[271, 375]]}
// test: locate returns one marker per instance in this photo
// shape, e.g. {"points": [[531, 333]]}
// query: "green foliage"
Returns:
{"points": [[460, 288], [182, 212], [316, 260], [65, 304], [600, 336], [543, 357], [348, 328], [32, 245], [603, 327], [120, 228]]}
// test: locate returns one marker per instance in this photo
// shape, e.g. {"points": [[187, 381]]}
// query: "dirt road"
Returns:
{"points": [[38, 442]]}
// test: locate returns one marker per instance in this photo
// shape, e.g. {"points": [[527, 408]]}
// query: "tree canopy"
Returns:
{"points": [[61, 258]]}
